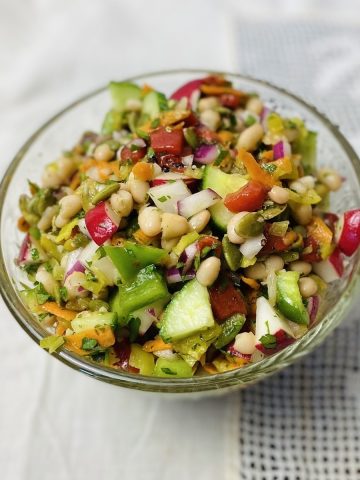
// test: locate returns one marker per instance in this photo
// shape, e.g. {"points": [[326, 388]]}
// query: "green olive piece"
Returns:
{"points": [[250, 225], [271, 210]]}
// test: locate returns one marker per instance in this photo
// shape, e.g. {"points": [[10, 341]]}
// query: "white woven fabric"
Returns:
{"points": [[304, 424]]}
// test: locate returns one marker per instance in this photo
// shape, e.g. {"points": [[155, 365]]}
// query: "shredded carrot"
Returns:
{"points": [[267, 155], [143, 171], [140, 237], [254, 169], [209, 368], [61, 327], [221, 90], [75, 181], [156, 345], [319, 231], [103, 335], [54, 309], [225, 136], [22, 225], [250, 282], [146, 89]]}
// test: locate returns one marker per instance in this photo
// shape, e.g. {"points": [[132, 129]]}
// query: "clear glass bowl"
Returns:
{"points": [[63, 130]]}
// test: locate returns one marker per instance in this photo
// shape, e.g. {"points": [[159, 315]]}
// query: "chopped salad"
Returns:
{"points": [[192, 235]]}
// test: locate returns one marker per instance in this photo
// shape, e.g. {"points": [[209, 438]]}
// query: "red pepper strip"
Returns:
{"points": [[226, 300], [315, 254], [165, 140], [248, 198], [254, 169], [211, 242], [273, 242]]}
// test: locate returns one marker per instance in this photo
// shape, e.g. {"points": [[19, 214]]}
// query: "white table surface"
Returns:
{"points": [[54, 422]]}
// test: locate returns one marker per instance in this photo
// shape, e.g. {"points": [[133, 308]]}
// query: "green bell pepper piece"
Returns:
{"points": [[249, 225], [171, 368], [147, 287], [112, 122], [132, 257], [192, 348], [288, 299], [232, 254], [229, 329], [306, 147], [144, 361]]}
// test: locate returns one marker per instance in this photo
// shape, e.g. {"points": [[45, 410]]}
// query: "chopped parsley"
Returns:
{"points": [[268, 341], [268, 167], [155, 123], [34, 252], [168, 371], [88, 343], [164, 198]]}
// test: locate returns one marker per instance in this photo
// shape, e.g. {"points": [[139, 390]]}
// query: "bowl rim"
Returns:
{"points": [[226, 380]]}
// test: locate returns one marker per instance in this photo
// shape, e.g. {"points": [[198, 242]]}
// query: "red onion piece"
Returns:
{"points": [[206, 153], [24, 250], [188, 255], [313, 307], [187, 160], [173, 275]]}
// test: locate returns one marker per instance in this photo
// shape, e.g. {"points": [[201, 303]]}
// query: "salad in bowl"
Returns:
{"points": [[190, 236]]}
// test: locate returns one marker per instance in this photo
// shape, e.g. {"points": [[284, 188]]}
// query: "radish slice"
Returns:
{"points": [[348, 232], [330, 269], [24, 253], [251, 247], [187, 90], [167, 195], [206, 154], [88, 253], [282, 149], [269, 322], [313, 307], [169, 177], [245, 343], [102, 222], [197, 202], [231, 350]]}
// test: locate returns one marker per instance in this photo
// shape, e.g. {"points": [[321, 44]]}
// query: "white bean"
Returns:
{"points": [[139, 189], [173, 225], [245, 343], [149, 220], [274, 263], [255, 105], [304, 268], [298, 187], [48, 281], [169, 244], [122, 203], [70, 205], [46, 219], [211, 119], [199, 221], [302, 214], [233, 236], [208, 271], [308, 287], [256, 272], [308, 181], [57, 173], [103, 153], [250, 137], [208, 103], [330, 178], [279, 195]]}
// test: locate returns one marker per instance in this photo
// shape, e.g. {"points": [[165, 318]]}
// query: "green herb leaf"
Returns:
{"points": [[268, 340], [155, 123], [88, 343], [34, 252], [268, 167], [168, 371]]}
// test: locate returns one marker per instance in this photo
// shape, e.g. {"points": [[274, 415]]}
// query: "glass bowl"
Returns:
{"points": [[64, 129]]}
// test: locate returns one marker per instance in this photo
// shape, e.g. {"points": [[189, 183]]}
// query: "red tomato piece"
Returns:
{"points": [[165, 140], [314, 255], [226, 300], [229, 100], [133, 155], [211, 242], [273, 242], [248, 198]]}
